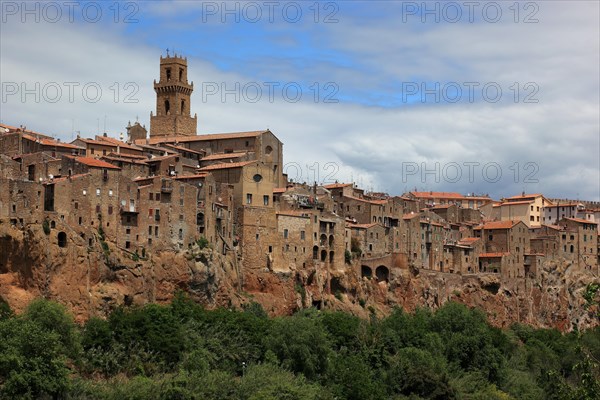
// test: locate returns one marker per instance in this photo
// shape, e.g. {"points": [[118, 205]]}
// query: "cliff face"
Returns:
{"points": [[92, 281]]}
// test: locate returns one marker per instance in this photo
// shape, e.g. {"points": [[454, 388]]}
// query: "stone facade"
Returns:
{"points": [[173, 100]]}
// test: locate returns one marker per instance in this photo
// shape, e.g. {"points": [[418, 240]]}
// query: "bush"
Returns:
{"points": [[46, 226], [202, 243]]}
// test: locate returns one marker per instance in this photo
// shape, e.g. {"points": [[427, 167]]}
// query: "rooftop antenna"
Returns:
{"points": [[98, 120], [167, 52], [104, 123]]}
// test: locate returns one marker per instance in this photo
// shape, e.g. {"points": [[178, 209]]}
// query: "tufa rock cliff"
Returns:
{"points": [[92, 281]]}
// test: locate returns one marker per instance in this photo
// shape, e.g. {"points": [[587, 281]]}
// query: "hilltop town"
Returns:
{"points": [[101, 222]]}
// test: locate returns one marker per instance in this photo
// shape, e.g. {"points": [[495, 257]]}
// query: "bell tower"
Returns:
{"points": [[173, 93]]}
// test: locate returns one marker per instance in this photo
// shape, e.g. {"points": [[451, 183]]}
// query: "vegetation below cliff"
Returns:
{"points": [[183, 351]]}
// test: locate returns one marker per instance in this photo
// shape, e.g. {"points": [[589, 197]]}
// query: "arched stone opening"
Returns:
{"points": [[315, 252], [330, 240], [366, 272], [323, 239], [331, 256], [323, 255], [62, 239], [383, 273]]}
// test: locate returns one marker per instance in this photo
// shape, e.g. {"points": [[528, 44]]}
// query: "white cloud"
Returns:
{"points": [[368, 144]]}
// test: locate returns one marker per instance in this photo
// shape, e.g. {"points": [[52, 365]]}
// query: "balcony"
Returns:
{"points": [[166, 187], [128, 210]]}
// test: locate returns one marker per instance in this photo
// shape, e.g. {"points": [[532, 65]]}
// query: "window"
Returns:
{"points": [[157, 196], [302, 235], [531, 218], [248, 198], [266, 200], [270, 249], [97, 192], [156, 231], [285, 233], [110, 193], [110, 210], [76, 205]]}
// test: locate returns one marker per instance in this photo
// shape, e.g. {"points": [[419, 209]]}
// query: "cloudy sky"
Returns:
{"points": [[474, 97]]}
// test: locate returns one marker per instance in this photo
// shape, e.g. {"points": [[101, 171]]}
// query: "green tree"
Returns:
{"points": [[300, 344], [54, 317], [32, 360]]}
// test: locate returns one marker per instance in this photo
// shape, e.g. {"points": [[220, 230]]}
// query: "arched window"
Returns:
{"points": [[315, 252], [62, 239], [182, 106], [323, 255], [167, 107], [382, 273], [365, 271]]}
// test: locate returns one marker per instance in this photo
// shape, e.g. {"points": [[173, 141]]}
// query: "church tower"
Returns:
{"points": [[173, 104]]}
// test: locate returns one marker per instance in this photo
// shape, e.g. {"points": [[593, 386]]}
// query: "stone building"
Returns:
{"points": [[173, 100]]}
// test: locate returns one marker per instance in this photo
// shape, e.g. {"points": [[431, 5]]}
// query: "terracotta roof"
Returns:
{"points": [[123, 155], [431, 195], [226, 165], [513, 203], [181, 148], [96, 142], [159, 158], [123, 159], [526, 196], [117, 142], [144, 178], [223, 156], [468, 241], [498, 225], [279, 190], [582, 221], [410, 215], [337, 185], [377, 202], [50, 142], [555, 227], [94, 162], [208, 137], [492, 255], [196, 176], [441, 206]]}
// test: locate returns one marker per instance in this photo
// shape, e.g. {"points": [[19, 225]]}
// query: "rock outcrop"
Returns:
{"points": [[92, 281]]}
